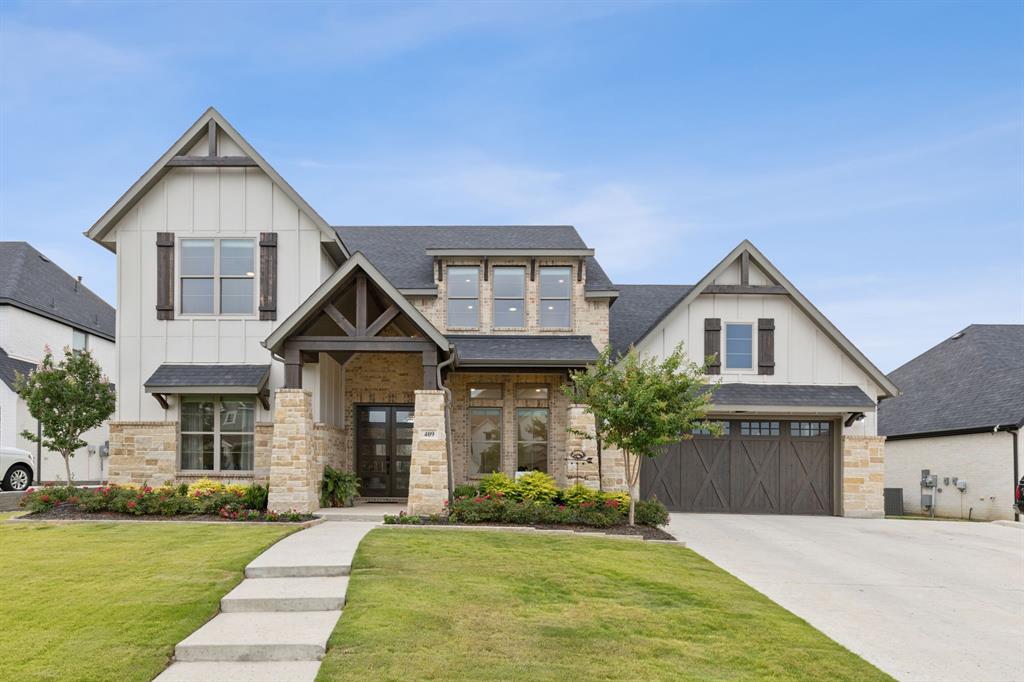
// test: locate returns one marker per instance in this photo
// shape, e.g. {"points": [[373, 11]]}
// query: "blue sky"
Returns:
{"points": [[873, 151]]}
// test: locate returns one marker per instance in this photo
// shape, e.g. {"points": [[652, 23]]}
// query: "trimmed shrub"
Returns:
{"points": [[578, 493], [465, 490], [498, 483], [256, 497], [651, 513], [205, 486], [536, 486]]}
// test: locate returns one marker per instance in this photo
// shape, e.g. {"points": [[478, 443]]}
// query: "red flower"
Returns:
{"points": [[612, 503], [45, 498], [132, 505]]}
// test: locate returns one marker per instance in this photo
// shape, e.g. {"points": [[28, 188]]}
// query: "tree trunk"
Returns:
{"points": [[67, 465], [632, 463]]}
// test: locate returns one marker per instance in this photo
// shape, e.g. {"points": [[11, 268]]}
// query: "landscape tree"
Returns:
{"points": [[641, 404], [67, 397]]}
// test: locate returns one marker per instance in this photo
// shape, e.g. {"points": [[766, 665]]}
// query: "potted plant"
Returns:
{"points": [[338, 488]]}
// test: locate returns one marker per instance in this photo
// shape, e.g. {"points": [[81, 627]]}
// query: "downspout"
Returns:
{"points": [[447, 427], [1014, 431]]}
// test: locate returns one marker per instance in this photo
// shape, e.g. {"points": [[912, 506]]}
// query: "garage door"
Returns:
{"points": [[760, 466]]}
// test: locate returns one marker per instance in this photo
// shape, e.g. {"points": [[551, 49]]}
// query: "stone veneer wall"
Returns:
{"points": [[295, 465], [428, 470], [863, 476], [589, 316], [143, 453], [330, 443]]}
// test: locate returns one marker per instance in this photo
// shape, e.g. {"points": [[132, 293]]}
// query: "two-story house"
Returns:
{"points": [[256, 341], [42, 306]]}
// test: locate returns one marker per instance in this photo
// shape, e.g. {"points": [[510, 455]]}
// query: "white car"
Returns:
{"points": [[16, 468]]}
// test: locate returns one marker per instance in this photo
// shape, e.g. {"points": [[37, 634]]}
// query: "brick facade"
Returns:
{"points": [[428, 470], [863, 476]]}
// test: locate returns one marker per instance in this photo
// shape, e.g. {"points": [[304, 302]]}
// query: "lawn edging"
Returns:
{"points": [[531, 529], [297, 525]]}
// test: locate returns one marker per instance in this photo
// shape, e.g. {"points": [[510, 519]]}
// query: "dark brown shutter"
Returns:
{"points": [[165, 275], [268, 275], [766, 346], [713, 343]]}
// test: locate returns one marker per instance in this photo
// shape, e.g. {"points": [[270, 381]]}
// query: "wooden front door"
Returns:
{"points": [[383, 449]]}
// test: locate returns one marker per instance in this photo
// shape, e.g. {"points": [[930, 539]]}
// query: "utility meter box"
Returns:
{"points": [[961, 484], [928, 479], [105, 449]]}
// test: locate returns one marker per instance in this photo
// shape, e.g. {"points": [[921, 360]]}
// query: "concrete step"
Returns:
{"points": [[286, 594], [295, 636], [263, 671], [342, 516], [300, 571], [323, 550]]}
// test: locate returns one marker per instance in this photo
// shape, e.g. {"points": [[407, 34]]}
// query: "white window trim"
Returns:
{"points": [[178, 277], [448, 297], [216, 470], [495, 298], [541, 298], [753, 348]]}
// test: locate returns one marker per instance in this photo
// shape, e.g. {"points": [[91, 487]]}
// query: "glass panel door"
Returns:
{"points": [[372, 446], [402, 455]]}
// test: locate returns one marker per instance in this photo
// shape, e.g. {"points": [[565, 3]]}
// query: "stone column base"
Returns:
{"points": [[428, 469], [863, 476], [295, 467], [143, 453]]}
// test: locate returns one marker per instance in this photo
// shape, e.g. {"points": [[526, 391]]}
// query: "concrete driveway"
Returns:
{"points": [[922, 600]]}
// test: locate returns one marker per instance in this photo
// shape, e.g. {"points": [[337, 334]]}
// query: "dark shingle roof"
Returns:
{"points": [[400, 251], [638, 308], [973, 380], [499, 350], [31, 281], [9, 365], [788, 395], [214, 376]]}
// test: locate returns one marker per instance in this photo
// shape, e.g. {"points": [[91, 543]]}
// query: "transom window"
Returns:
{"points": [[759, 428], [509, 284], [217, 433], [531, 439], [739, 346], [532, 392], [555, 297], [808, 429], [484, 440], [217, 276], [485, 392], [706, 432], [464, 297]]}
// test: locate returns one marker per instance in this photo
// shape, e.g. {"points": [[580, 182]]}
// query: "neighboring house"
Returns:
{"points": [[43, 306], [796, 398], [960, 417], [256, 341]]}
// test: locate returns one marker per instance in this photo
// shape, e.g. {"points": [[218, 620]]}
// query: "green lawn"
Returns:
{"points": [[109, 601], [428, 604]]}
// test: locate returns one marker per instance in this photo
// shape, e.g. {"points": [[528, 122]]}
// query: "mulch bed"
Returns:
{"points": [[646, 532], [70, 512]]}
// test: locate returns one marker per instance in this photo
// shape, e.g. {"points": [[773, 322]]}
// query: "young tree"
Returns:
{"points": [[640, 405], [67, 398]]}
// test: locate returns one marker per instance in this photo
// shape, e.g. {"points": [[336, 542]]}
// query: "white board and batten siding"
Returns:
{"points": [[804, 354], [206, 202]]}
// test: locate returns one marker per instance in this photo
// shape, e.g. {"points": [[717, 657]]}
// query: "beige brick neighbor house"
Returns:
{"points": [[257, 341]]}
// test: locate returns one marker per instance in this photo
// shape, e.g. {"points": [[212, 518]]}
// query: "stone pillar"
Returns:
{"points": [[143, 453], [428, 470], [586, 474], [295, 469], [613, 470], [863, 476]]}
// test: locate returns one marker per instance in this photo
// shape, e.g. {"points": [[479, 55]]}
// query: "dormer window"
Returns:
{"points": [[555, 297], [464, 297], [509, 296]]}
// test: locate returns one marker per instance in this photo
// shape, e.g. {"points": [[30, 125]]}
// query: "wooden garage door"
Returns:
{"points": [[759, 466]]}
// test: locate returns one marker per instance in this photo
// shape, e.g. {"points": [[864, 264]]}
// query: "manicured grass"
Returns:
{"points": [[109, 601], [426, 604]]}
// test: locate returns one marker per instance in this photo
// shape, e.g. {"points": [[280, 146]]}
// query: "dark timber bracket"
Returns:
{"points": [[162, 399], [744, 289], [745, 268]]}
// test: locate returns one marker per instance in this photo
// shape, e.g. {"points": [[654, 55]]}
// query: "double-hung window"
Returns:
{"points": [[484, 440], [218, 433], [532, 439], [79, 340], [509, 296], [218, 276], [555, 297], [464, 297], [739, 346]]}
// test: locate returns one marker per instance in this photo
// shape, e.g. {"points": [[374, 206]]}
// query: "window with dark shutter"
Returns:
{"points": [[165, 275], [713, 343], [766, 346], [268, 275]]}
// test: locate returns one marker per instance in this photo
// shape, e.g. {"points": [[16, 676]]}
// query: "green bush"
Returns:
{"points": [[578, 493], [465, 490], [409, 519], [651, 513], [621, 501], [338, 488], [255, 497], [390, 519], [498, 483], [536, 486], [498, 509]]}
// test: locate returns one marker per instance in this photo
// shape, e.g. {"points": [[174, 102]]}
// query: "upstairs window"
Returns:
{"points": [[509, 297], [555, 297], [218, 276], [739, 346], [464, 297], [79, 340]]}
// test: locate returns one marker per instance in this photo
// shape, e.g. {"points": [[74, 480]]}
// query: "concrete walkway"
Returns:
{"points": [[274, 626], [922, 600]]}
